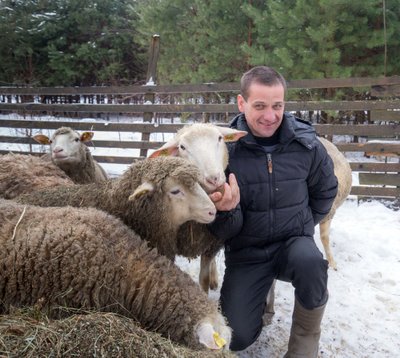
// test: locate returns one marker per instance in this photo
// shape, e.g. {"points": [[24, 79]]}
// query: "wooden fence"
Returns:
{"points": [[377, 134]]}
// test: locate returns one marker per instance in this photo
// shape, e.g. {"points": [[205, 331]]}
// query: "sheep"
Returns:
{"points": [[68, 152], [203, 145], [65, 257], [343, 174], [23, 173], [154, 197]]}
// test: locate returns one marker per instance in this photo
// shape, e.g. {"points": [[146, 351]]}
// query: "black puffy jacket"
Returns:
{"points": [[284, 193]]}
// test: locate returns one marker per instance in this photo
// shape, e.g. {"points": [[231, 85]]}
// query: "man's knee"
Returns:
{"points": [[243, 338]]}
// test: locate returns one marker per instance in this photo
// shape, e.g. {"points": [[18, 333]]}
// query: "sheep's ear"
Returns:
{"points": [[168, 149], [143, 189], [230, 134], [41, 138], [86, 136]]}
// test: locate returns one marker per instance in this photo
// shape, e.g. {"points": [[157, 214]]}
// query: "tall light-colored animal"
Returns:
{"points": [[84, 258], [203, 145], [69, 152], [343, 174], [25, 173], [154, 197]]}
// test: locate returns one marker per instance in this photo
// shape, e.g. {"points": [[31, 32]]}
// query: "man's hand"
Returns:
{"points": [[229, 198]]}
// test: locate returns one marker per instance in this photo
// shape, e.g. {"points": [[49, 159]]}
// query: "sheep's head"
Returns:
{"points": [[66, 145], [176, 182], [203, 145]]}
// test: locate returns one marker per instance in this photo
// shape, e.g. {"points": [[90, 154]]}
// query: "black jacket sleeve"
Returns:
{"points": [[322, 184], [227, 224]]}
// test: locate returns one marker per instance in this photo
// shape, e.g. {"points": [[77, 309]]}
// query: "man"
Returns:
{"points": [[281, 184]]}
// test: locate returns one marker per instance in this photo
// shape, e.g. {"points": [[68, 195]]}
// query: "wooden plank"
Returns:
{"points": [[384, 115], [387, 130], [199, 88], [379, 179], [376, 130], [385, 90], [93, 143], [380, 148], [92, 126], [375, 167], [194, 108], [375, 191]]}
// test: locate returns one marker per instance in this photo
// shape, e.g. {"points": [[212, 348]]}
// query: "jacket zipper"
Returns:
{"points": [[271, 192]]}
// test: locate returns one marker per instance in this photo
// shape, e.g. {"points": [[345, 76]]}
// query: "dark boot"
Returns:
{"points": [[305, 332]]}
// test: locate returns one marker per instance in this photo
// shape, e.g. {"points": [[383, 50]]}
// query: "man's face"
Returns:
{"points": [[263, 109]]}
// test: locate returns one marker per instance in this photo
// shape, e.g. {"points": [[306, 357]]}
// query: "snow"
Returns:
{"points": [[363, 312]]}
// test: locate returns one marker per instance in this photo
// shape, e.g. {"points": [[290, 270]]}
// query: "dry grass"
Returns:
{"points": [[29, 333]]}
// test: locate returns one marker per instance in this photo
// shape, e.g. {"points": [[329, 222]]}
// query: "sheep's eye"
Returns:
{"points": [[182, 147], [76, 139], [50, 141], [175, 192], [220, 138]]}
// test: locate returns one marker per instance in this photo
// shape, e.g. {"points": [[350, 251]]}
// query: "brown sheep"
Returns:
{"points": [[84, 258], [154, 197]]}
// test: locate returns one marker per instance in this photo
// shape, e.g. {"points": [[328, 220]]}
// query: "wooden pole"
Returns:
{"points": [[151, 80]]}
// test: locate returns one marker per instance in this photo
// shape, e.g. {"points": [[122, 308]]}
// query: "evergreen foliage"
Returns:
{"points": [[96, 42], [69, 42]]}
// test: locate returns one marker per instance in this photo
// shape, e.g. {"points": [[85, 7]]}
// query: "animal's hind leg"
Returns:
{"points": [[269, 310], [207, 268], [324, 228]]}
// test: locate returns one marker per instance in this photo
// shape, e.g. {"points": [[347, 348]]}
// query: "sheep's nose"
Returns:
{"points": [[213, 180], [212, 212], [58, 149]]}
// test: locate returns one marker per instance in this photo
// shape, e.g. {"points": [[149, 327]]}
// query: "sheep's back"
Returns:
{"points": [[61, 255], [21, 174]]}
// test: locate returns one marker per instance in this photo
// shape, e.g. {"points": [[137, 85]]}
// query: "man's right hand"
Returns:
{"points": [[230, 196]]}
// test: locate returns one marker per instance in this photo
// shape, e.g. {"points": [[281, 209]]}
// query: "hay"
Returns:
{"points": [[29, 333]]}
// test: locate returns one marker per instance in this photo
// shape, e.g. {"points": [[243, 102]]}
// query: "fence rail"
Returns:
{"points": [[377, 135]]}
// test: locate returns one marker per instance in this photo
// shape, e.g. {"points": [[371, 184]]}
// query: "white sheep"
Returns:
{"points": [[25, 173], [202, 144], [69, 152], [170, 195], [84, 258], [343, 174]]}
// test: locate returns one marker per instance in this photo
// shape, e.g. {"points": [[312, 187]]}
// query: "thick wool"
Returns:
{"points": [[85, 258], [147, 216], [25, 173]]}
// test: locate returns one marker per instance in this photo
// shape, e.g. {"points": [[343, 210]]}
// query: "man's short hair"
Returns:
{"points": [[263, 75]]}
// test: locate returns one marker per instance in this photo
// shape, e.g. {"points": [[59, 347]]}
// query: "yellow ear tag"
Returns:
{"points": [[164, 152], [229, 137], [220, 342]]}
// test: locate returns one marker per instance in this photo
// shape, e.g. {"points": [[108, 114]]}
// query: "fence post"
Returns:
{"points": [[151, 79]]}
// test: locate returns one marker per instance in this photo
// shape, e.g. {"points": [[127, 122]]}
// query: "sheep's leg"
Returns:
{"points": [[208, 276], [213, 274], [269, 310], [324, 228]]}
